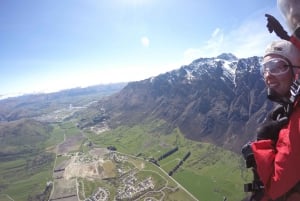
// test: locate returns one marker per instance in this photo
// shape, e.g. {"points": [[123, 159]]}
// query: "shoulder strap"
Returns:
{"points": [[295, 90]]}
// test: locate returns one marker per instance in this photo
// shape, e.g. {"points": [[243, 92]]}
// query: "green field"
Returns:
{"points": [[26, 165], [210, 173], [165, 186]]}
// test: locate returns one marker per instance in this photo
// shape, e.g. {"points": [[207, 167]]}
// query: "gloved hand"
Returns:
{"points": [[274, 121], [274, 25], [248, 155]]}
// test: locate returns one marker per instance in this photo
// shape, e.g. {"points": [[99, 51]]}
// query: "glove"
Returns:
{"points": [[274, 25], [270, 128], [248, 155]]}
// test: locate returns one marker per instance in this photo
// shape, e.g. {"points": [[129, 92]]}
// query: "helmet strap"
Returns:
{"points": [[274, 96]]}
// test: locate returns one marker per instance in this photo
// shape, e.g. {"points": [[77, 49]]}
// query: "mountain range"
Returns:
{"points": [[218, 100]]}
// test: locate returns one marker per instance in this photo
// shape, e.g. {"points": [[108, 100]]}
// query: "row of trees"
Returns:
{"points": [[180, 163], [167, 153]]}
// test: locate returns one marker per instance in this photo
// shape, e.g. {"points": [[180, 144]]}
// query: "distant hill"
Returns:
{"points": [[33, 105], [219, 100], [22, 137]]}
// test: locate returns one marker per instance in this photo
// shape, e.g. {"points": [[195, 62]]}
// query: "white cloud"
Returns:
{"points": [[249, 39], [211, 48], [145, 41]]}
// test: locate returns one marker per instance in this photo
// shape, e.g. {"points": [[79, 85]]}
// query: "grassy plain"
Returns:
{"points": [[210, 173], [25, 172], [20, 181]]}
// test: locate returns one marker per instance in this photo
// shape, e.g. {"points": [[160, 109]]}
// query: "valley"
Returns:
{"points": [[116, 143], [84, 168], [79, 164], [123, 177]]}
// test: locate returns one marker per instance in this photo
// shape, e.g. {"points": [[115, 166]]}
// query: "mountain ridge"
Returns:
{"points": [[33, 105], [219, 100]]}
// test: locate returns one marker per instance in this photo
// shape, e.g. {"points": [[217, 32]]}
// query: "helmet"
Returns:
{"points": [[290, 10], [285, 49], [289, 52]]}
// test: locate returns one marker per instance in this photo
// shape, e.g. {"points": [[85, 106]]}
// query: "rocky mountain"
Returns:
{"points": [[219, 100]]}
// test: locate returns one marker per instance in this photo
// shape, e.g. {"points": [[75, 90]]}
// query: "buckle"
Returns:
{"points": [[254, 186]]}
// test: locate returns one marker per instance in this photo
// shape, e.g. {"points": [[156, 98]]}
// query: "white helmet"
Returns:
{"points": [[291, 12], [291, 54], [285, 49]]}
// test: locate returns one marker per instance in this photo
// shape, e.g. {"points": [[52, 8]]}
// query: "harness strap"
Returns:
{"points": [[295, 41]]}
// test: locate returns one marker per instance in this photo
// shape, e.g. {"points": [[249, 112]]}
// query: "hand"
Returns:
{"points": [[274, 25], [248, 155], [270, 128]]}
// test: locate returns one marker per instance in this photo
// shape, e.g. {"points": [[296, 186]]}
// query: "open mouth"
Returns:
{"points": [[273, 85]]}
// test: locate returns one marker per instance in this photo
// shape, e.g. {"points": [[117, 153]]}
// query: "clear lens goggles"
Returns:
{"points": [[275, 66]]}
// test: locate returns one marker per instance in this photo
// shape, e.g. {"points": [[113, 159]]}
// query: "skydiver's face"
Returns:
{"points": [[291, 11], [279, 82]]}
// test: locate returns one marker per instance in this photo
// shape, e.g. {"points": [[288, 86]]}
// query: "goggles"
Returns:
{"points": [[276, 66]]}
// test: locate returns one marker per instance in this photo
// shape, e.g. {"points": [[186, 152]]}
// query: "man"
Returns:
{"points": [[275, 155]]}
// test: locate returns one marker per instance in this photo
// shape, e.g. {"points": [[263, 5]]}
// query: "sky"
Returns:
{"points": [[49, 45]]}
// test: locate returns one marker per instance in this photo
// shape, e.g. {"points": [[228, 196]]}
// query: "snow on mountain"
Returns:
{"points": [[216, 99], [226, 63]]}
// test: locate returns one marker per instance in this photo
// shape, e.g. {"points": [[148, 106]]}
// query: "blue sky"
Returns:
{"points": [[47, 45]]}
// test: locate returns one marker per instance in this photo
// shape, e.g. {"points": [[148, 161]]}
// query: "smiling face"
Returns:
{"points": [[280, 83], [291, 12]]}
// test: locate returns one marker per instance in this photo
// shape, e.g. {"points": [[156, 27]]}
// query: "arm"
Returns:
{"points": [[278, 167]]}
